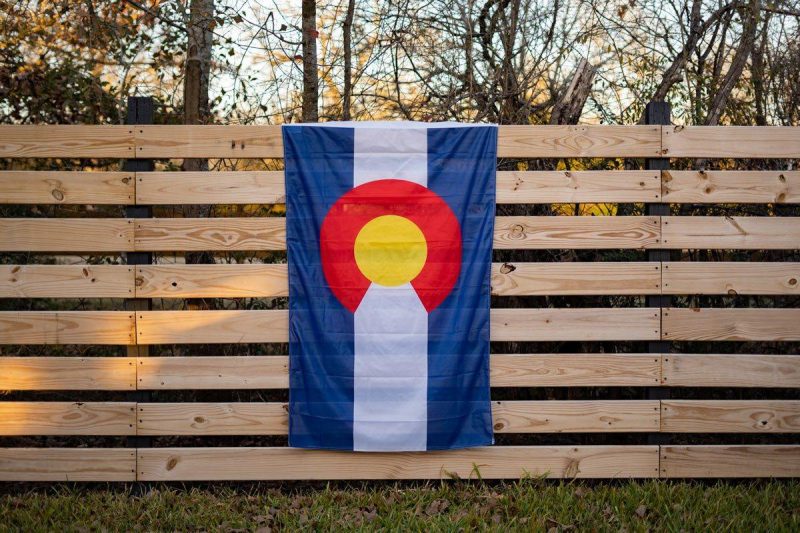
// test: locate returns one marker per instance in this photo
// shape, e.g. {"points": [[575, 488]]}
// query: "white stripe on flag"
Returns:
{"points": [[391, 153]]}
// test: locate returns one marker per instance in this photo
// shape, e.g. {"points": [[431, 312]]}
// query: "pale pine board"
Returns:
{"points": [[67, 464], [578, 141], [208, 141], [731, 141], [751, 370], [20, 141], [66, 235], [717, 324], [496, 462], [731, 186], [730, 416], [67, 327], [731, 278], [212, 281], [200, 234], [704, 461], [66, 187], [67, 418], [720, 233], [224, 187], [66, 281], [519, 279], [67, 373], [581, 232], [213, 372]]}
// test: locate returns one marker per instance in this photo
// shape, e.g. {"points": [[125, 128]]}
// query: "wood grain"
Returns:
{"points": [[720, 233], [67, 418], [213, 372], [66, 187], [751, 370], [704, 461], [234, 187], [18, 141], [731, 278], [66, 235], [731, 186], [731, 141], [66, 281], [575, 370], [66, 327], [495, 462], [212, 281], [67, 373], [67, 464], [518, 279], [229, 142], [192, 327], [200, 234], [576, 324], [581, 232], [716, 324], [730, 416], [196, 418], [578, 141]]}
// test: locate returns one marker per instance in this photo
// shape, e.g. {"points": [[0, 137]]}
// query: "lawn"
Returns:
{"points": [[528, 505]]}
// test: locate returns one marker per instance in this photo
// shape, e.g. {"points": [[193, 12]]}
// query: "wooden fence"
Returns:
{"points": [[137, 327]]}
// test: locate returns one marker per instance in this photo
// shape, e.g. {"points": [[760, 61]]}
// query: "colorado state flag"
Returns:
{"points": [[389, 230]]}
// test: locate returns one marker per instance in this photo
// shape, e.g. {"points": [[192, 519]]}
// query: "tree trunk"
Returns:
{"points": [[310, 78], [347, 30], [570, 104], [198, 68]]}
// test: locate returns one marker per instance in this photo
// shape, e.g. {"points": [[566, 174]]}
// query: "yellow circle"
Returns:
{"points": [[390, 250]]}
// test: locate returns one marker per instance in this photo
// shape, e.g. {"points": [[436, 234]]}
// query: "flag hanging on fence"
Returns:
{"points": [[389, 232]]}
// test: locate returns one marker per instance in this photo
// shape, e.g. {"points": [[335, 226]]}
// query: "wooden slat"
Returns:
{"points": [[576, 324], [230, 142], [589, 186], [66, 327], [517, 279], [66, 235], [730, 416], [67, 418], [65, 187], [66, 281], [579, 232], [212, 281], [702, 370], [213, 372], [731, 141], [67, 464], [66, 141], [579, 141], [199, 234], [67, 373], [509, 417], [235, 187], [731, 278], [703, 461], [191, 327], [187, 464], [731, 186], [711, 324], [719, 233]]}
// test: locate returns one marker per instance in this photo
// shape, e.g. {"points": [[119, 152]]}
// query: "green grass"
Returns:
{"points": [[453, 505]]}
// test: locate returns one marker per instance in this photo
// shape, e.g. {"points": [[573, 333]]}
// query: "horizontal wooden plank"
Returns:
{"points": [[67, 464], [65, 234], [200, 234], [730, 278], [213, 372], [229, 142], [704, 461], [731, 186], [261, 418], [576, 324], [212, 281], [67, 373], [192, 327], [729, 370], [539, 232], [66, 327], [730, 416], [65, 187], [234, 187], [67, 418], [731, 141], [719, 233], [714, 324], [579, 141], [588, 186], [518, 279], [19, 141], [495, 462], [66, 281]]}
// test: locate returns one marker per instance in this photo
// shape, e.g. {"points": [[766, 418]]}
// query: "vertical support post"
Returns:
{"points": [[657, 113], [140, 111]]}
